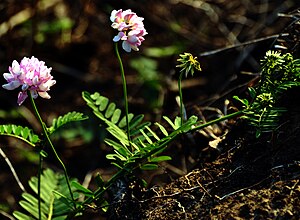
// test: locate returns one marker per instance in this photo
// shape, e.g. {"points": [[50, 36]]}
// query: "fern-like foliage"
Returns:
{"points": [[55, 199], [146, 143], [109, 113], [147, 146], [279, 73], [65, 119], [23, 133], [150, 145]]}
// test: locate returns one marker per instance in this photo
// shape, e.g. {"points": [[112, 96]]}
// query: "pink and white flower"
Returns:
{"points": [[131, 29], [32, 75]]}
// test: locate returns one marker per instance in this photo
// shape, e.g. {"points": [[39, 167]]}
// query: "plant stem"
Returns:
{"points": [[39, 183], [180, 97], [124, 90], [45, 132], [98, 193], [232, 115], [125, 170]]}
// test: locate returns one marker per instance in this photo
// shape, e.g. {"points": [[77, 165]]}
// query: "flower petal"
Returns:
{"points": [[8, 76], [34, 94], [116, 38], [16, 69], [113, 15], [12, 85], [44, 95], [24, 87], [21, 97], [126, 46]]}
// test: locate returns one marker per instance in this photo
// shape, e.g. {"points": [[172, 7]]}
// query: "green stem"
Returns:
{"points": [[98, 193], [232, 115], [108, 184], [124, 90], [45, 132], [121, 172], [39, 184], [180, 97]]}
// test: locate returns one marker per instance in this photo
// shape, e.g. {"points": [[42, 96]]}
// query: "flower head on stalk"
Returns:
{"points": [[32, 75], [188, 63], [131, 29]]}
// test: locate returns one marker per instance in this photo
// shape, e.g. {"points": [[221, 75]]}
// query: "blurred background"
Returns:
{"points": [[229, 37]]}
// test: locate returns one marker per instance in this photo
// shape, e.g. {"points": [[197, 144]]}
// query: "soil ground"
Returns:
{"points": [[248, 179]]}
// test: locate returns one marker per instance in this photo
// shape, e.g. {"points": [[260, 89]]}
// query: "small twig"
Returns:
{"points": [[183, 209], [172, 195], [209, 53], [173, 168], [293, 187], [232, 193], [283, 166], [86, 183], [12, 170], [240, 190], [7, 215]]}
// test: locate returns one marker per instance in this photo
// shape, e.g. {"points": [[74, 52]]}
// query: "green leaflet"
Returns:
{"points": [[279, 73], [107, 111], [55, 201], [160, 158], [146, 143], [80, 188], [149, 166], [65, 119], [176, 123], [149, 148], [22, 133]]}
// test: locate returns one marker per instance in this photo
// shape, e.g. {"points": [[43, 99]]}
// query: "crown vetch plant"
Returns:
{"points": [[188, 64], [131, 29], [35, 79], [136, 145], [279, 72], [32, 75]]}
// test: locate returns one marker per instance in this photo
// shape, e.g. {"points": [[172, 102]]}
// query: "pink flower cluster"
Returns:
{"points": [[32, 75], [131, 29]]}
